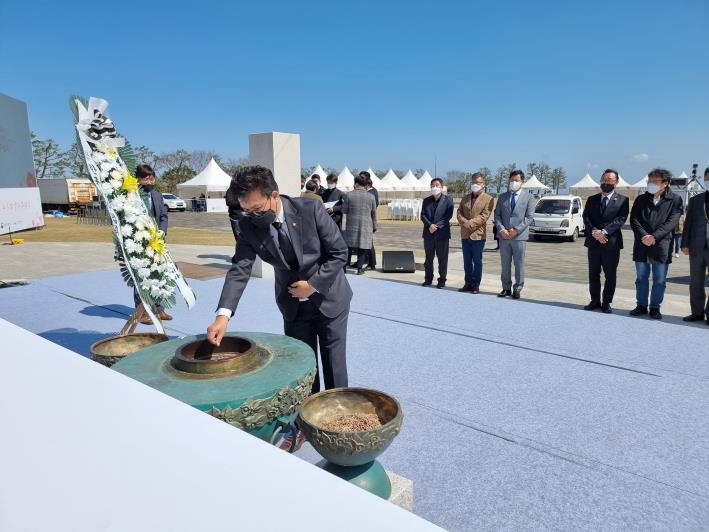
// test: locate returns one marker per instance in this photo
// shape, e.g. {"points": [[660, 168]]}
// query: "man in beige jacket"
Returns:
{"points": [[473, 212]]}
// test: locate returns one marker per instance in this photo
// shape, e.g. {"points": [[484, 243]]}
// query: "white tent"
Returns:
{"points": [[425, 180], [534, 184], [213, 182], [411, 183], [622, 183], [390, 181], [586, 182], [640, 184], [376, 182], [319, 170], [683, 175], [345, 181]]}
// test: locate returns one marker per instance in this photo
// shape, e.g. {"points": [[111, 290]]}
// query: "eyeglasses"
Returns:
{"points": [[257, 210]]}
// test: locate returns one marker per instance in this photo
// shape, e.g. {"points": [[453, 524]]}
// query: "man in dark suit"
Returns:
{"points": [[372, 258], [603, 217], [304, 246], [158, 211], [436, 213], [332, 193], [695, 243]]}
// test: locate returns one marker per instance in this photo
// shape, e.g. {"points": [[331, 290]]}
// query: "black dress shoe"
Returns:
{"points": [[516, 294], [655, 314], [606, 309], [693, 317], [638, 311], [593, 305], [466, 288], [371, 267], [476, 289], [440, 285], [505, 293], [360, 271], [426, 283]]}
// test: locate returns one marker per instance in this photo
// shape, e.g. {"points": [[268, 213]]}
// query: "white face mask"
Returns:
{"points": [[435, 191], [476, 188], [515, 185], [331, 185], [653, 188]]}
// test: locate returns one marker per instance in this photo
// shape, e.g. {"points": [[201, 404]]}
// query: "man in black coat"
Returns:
{"points": [[436, 213], [372, 258], [330, 194], [653, 218], [603, 217], [695, 243]]}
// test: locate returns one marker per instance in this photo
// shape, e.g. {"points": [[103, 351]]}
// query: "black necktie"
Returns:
{"points": [[514, 201], [604, 204], [286, 247]]}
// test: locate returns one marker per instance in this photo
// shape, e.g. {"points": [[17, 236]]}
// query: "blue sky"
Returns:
{"points": [[382, 84]]}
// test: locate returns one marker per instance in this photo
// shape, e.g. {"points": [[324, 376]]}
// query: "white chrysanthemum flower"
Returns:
{"points": [[116, 174], [116, 204], [127, 230], [130, 217], [144, 272], [129, 245], [136, 263], [150, 252], [106, 188], [116, 183]]}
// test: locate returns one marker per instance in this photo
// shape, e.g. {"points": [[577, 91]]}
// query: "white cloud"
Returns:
{"points": [[640, 157]]}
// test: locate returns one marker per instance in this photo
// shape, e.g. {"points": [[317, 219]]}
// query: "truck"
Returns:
{"points": [[66, 195], [558, 216]]}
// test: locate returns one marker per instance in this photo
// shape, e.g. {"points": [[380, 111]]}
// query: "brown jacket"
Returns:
{"points": [[478, 212], [310, 195]]}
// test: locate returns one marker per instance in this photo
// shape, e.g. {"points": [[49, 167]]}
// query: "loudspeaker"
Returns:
{"points": [[398, 262]]}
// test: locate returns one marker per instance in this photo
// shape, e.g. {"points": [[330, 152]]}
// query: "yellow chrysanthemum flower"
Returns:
{"points": [[156, 240], [112, 153], [130, 183]]}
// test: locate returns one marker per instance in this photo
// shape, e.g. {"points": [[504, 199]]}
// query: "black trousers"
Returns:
{"points": [[605, 259], [314, 328], [436, 247], [372, 257]]}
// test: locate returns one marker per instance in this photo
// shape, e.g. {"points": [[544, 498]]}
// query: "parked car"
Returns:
{"points": [[558, 216], [173, 202]]}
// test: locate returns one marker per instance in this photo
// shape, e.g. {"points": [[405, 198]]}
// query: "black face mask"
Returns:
{"points": [[262, 219], [607, 187], [148, 188]]}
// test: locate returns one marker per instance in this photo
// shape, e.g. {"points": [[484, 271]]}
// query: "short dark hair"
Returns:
{"points": [[311, 185], [476, 175], [315, 176], [360, 180], [706, 171], [437, 179], [517, 172], [250, 178], [144, 170], [610, 171], [664, 175], [331, 178]]}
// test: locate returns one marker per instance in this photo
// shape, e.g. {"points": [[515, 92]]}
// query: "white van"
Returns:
{"points": [[558, 216]]}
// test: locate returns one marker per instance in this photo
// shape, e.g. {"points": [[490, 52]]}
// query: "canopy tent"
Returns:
{"points": [[586, 182], [640, 184], [622, 183], [410, 182], [534, 184], [390, 182], [213, 182], [376, 182], [319, 170], [345, 181], [425, 180]]}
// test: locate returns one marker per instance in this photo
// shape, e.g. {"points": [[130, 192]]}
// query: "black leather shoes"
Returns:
{"points": [[440, 285], [638, 311], [476, 289], [360, 271], [516, 294], [655, 314], [466, 288], [606, 309], [593, 305], [505, 293], [693, 317], [426, 283]]}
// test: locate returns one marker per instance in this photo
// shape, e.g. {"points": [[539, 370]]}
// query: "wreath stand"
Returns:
{"points": [[139, 313]]}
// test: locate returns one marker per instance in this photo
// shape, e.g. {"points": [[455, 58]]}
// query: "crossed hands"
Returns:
{"points": [[599, 235], [508, 234], [648, 240], [432, 228]]}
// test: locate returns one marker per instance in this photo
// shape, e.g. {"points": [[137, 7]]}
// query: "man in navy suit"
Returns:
{"points": [[603, 217], [158, 211], [436, 213]]}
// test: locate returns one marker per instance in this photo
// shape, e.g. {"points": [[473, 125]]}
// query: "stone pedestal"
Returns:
{"points": [[280, 152], [402, 491]]}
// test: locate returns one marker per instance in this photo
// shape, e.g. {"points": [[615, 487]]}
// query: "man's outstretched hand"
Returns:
{"points": [[217, 330]]}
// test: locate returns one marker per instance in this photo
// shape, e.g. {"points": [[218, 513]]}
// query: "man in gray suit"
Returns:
{"points": [[513, 214], [361, 221], [695, 243], [304, 246]]}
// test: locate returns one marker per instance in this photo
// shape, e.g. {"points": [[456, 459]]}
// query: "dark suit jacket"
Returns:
{"points": [[694, 235], [159, 211], [321, 253], [438, 213], [374, 192], [334, 194], [612, 220], [659, 220]]}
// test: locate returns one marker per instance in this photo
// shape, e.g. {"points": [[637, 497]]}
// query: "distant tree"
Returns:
{"points": [[458, 186], [199, 159], [49, 161], [144, 155], [557, 179], [170, 179], [542, 170], [231, 166], [455, 175], [487, 175], [76, 162], [174, 160], [502, 174]]}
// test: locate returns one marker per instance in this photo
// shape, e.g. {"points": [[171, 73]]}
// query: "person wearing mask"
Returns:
{"points": [[307, 252], [158, 211], [310, 191], [695, 243], [320, 189], [333, 194], [653, 218], [473, 212], [372, 256], [513, 214], [436, 214], [361, 221], [603, 217]]}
